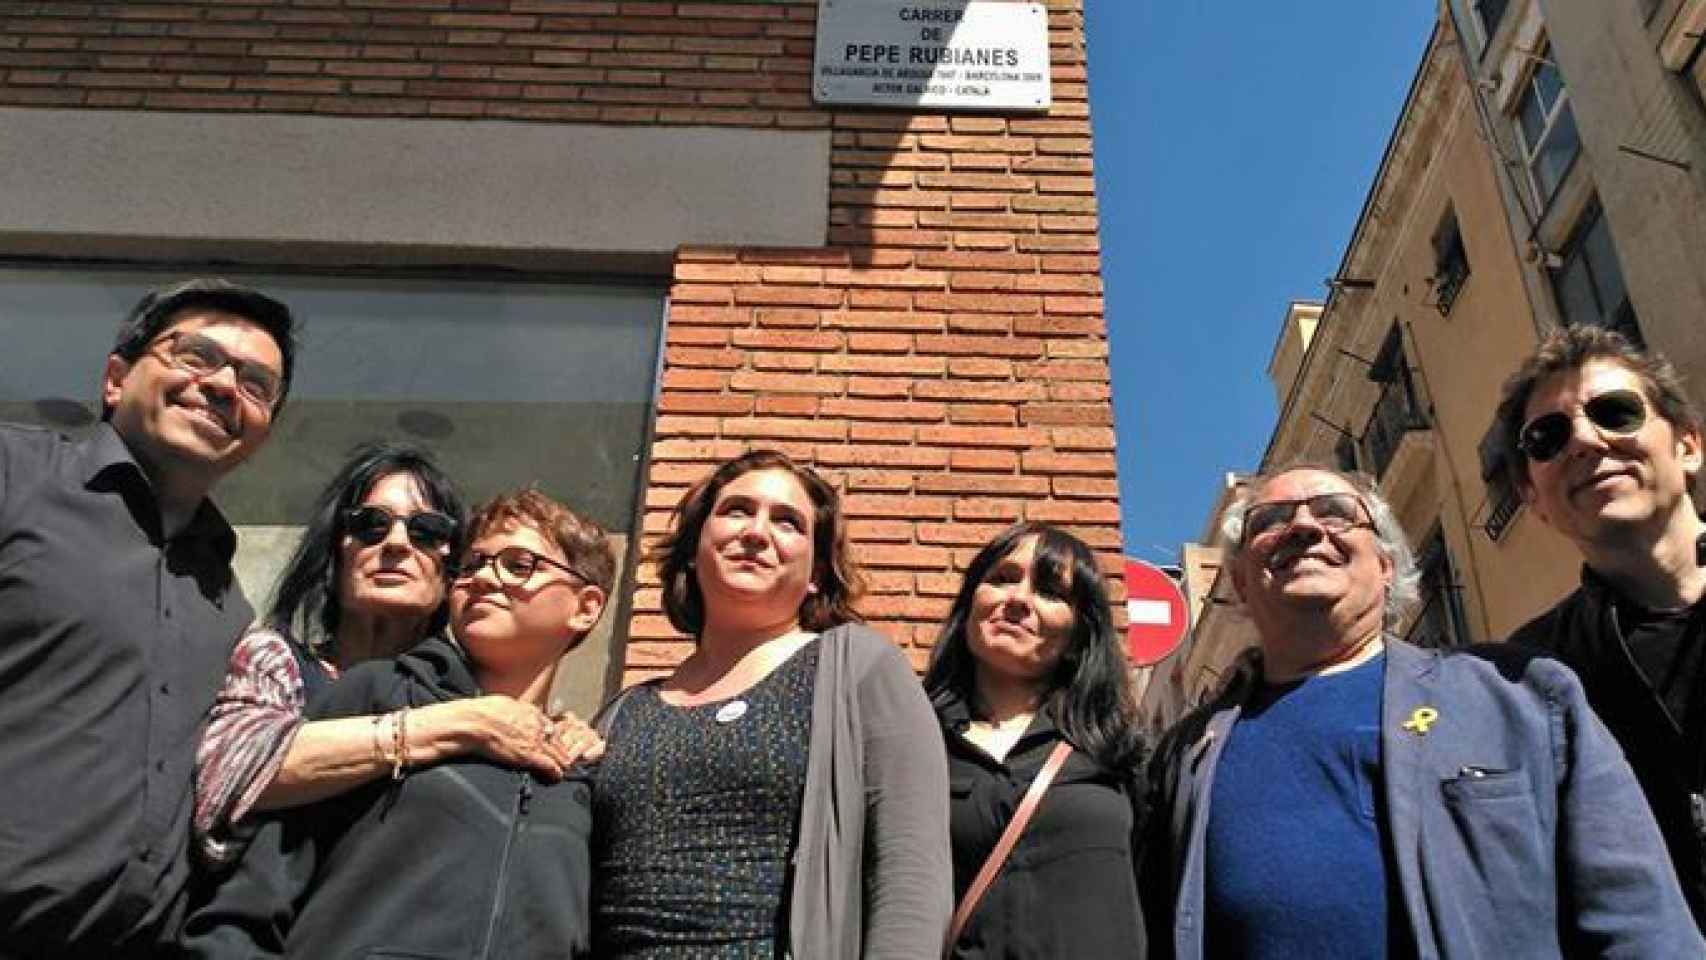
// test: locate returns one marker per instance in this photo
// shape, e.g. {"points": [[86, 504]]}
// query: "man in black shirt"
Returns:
{"points": [[1601, 441], [118, 610]]}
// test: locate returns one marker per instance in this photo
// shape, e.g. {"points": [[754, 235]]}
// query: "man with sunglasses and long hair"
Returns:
{"points": [[1350, 795], [118, 609], [1603, 444]]}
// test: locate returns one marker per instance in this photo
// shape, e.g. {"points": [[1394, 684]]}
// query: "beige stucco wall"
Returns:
{"points": [[1463, 359]]}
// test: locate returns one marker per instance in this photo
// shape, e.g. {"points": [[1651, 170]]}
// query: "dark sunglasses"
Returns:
{"points": [[1333, 512], [1617, 412], [428, 529], [513, 566]]}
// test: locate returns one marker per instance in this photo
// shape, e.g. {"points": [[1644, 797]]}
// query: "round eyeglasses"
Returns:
{"points": [[513, 565]]}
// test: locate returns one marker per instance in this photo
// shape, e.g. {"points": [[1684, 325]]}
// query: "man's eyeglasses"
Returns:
{"points": [[513, 566], [1333, 512], [1620, 413], [201, 356], [428, 529]]}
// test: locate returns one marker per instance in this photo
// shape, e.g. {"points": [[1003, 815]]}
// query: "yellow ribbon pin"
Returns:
{"points": [[1421, 719]]}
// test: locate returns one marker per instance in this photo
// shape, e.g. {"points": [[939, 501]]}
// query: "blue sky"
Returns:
{"points": [[1235, 143]]}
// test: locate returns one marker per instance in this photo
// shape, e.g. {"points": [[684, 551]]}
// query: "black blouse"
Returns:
{"points": [[1069, 889]]}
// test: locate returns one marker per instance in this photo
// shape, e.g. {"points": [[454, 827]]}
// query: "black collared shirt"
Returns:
{"points": [[1069, 889], [113, 640]]}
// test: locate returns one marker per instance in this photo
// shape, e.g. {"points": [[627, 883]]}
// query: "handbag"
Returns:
{"points": [[1004, 847]]}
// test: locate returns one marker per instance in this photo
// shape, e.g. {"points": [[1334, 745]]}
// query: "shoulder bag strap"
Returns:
{"points": [[1004, 846]]}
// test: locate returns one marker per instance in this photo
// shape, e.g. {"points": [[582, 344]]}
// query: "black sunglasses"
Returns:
{"points": [[428, 529], [1617, 412], [1333, 512], [513, 565]]}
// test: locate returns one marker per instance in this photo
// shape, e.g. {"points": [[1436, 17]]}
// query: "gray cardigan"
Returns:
{"points": [[873, 877]]}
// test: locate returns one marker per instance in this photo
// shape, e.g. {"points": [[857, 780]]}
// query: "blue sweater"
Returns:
{"points": [[1516, 828], [1297, 861]]}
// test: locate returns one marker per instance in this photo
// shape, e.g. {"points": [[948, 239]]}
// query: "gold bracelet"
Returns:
{"points": [[378, 741]]}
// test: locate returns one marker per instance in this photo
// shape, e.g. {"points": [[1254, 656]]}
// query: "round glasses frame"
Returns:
{"points": [[513, 566]]}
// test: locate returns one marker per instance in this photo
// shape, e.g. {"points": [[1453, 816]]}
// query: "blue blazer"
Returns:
{"points": [[1518, 829]]}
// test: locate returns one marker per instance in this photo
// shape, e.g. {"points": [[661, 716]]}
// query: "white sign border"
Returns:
{"points": [[858, 91]]}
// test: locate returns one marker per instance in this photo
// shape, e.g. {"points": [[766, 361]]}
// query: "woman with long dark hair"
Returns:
{"points": [[770, 797], [1028, 659], [367, 581]]}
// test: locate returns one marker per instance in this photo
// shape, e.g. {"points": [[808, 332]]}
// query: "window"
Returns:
{"points": [[1441, 622], [1451, 263], [1396, 412], [1589, 282], [1547, 126], [509, 382], [1345, 451], [1503, 500], [1488, 13]]}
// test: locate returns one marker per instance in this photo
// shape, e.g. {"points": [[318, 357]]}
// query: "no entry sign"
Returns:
{"points": [[1155, 613]]}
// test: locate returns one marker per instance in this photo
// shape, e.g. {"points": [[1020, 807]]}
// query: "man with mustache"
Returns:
{"points": [[118, 610], [1601, 441], [1349, 794]]}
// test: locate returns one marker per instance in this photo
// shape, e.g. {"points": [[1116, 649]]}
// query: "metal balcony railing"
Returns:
{"points": [[1448, 284], [1501, 511], [1394, 415]]}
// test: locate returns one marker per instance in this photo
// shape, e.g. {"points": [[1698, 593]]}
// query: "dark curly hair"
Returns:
{"points": [[839, 584]]}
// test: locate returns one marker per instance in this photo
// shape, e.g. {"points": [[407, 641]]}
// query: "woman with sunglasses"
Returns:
{"points": [[1027, 660], [367, 581], [464, 859], [770, 797]]}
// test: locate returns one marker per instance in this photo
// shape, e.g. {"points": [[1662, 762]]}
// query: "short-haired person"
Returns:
{"points": [[1028, 658], [1349, 794], [774, 796], [368, 580], [461, 859], [1603, 445], [118, 609]]}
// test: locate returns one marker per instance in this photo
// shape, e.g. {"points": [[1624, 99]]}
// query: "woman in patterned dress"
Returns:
{"points": [[770, 798]]}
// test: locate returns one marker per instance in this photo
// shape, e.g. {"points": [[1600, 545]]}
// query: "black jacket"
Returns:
{"points": [[465, 859], [1583, 632]]}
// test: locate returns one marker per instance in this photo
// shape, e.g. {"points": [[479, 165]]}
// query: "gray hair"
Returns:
{"points": [[1405, 590]]}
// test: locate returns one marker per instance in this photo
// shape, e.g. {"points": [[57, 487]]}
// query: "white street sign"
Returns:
{"points": [[946, 54]]}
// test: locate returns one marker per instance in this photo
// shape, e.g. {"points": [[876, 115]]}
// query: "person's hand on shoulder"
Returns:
{"points": [[508, 731]]}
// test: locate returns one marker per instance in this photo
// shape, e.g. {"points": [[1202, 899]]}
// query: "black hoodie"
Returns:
{"points": [[463, 859]]}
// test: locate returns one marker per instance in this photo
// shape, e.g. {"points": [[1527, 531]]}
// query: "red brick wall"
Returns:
{"points": [[944, 358]]}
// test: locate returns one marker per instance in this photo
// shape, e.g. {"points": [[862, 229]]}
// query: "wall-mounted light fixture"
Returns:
{"points": [[1348, 283]]}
